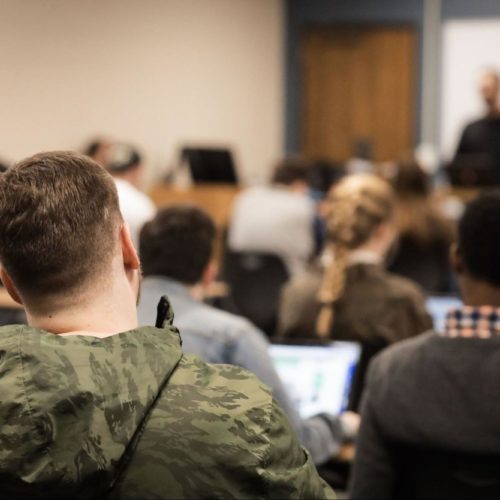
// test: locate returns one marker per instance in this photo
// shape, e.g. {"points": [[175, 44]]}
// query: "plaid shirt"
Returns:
{"points": [[479, 322]]}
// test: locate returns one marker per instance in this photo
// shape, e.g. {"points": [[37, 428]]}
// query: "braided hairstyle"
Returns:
{"points": [[355, 207]]}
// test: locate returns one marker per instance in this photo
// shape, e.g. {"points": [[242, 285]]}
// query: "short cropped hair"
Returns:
{"points": [[59, 219], [177, 243], [290, 170], [479, 237]]}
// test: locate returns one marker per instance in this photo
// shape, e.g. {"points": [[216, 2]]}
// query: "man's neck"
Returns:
{"points": [[493, 111], [102, 316], [480, 293]]}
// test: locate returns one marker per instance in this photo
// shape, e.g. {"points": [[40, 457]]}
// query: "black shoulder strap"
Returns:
{"points": [[164, 313]]}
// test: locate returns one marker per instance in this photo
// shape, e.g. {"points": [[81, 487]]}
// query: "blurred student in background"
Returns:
{"points": [[350, 296], [98, 149], [176, 250], [124, 163], [425, 235], [277, 219], [439, 392]]}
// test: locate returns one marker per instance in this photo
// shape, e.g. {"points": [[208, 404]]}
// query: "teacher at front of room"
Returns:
{"points": [[480, 141]]}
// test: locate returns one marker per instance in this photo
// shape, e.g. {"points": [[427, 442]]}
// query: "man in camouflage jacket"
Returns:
{"points": [[92, 406]]}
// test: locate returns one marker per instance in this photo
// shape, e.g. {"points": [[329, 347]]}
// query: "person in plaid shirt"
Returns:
{"points": [[439, 391]]}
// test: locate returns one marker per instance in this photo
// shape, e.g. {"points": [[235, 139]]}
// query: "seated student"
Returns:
{"points": [[94, 406], [277, 219], [124, 163], [176, 248], [352, 297], [98, 149], [424, 234], [439, 391]]}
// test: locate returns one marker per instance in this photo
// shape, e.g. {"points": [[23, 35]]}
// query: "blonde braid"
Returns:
{"points": [[331, 289], [355, 207]]}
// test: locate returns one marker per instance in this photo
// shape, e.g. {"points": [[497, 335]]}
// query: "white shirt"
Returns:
{"points": [[135, 206], [274, 220]]}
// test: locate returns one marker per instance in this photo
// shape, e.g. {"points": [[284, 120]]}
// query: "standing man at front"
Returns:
{"points": [[91, 404], [479, 144]]}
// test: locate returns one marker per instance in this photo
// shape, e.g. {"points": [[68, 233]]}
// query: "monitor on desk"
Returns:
{"points": [[317, 377], [210, 165]]}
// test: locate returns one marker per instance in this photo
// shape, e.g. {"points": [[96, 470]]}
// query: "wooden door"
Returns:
{"points": [[358, 84]]}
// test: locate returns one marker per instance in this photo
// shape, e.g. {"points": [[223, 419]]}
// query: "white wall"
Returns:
{"points": [[155, 72], [469, 47]]}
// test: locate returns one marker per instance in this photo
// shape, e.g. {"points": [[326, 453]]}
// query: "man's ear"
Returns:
{"points": [[9, 286], [456, 260], [130, 257]]}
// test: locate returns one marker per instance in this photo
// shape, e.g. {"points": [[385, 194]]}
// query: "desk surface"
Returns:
{"points": [[216, 199]]}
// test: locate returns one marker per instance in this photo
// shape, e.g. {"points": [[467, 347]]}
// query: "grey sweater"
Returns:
{"points": [[430, 391]]}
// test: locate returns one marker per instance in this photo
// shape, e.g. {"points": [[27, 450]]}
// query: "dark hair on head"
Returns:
{"points": [[479, 237], [122, 158], [410, 179], [291, 170], [3, 167], [59, 218], [92, 148], [177, 243]]}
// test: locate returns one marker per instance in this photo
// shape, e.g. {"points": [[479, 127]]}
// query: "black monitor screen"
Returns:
{"points": [[210, 165]]}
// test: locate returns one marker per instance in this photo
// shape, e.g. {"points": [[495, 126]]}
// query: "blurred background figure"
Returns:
{"points": [[424, 234], [482, 136], [98, 149], [349, 295], [479, 145], [124, 163], [277, 219]]}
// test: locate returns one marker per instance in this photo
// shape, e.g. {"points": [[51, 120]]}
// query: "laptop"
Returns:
{"points": [[210, 165], [438, 306], [318, 377]]}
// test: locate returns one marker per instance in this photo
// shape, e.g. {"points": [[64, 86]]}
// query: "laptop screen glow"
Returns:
{"points": [[317, 378]]}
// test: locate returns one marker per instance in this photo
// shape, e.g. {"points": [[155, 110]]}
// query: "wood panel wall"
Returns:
{"points": [[358, 83]]}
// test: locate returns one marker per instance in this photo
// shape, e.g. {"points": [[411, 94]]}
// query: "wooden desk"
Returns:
{"points": [[216, 199], [464, 194]]}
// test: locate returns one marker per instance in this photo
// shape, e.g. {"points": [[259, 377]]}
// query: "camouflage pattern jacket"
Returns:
{"points": [[130, 416]]}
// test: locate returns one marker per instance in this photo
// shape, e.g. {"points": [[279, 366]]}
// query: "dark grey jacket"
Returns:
{"points": [[430, 391]]}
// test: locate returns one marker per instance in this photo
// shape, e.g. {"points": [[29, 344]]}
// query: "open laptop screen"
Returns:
{"points": [[317, 377]]}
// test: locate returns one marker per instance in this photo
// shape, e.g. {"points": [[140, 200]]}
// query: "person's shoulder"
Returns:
{"points": [[306, 283], [222, 380], [221, 433], [401, 356], [402, 288], [129, 193], [224, 322], [475, 123], [226, 406]]}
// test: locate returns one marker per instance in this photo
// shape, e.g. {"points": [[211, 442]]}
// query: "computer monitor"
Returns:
{"points": [[210, 165], [438, 306], [317, 377]]}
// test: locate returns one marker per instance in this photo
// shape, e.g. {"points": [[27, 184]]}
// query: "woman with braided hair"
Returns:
{"points": [[349, 295]]}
